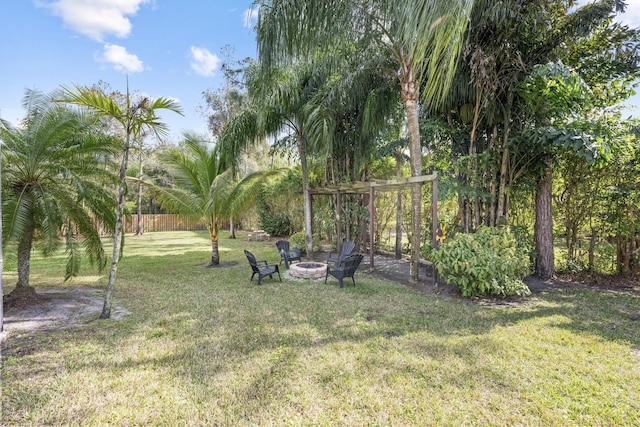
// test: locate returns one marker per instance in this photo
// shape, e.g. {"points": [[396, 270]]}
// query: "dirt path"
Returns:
{"points": [[56, 308]]}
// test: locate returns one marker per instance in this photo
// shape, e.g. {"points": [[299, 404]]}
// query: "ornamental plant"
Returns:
{"points": [[488, 262]]}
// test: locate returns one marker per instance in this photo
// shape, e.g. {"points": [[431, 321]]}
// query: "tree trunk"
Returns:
{"points": [[213, 236], [410, 95], [399, 208], [545, 267], [214, 228], [623, 255], [232, 230], [24, 260], [592, 249], [504, 168], [118, 232], [140, 225], [473, 152], [308, 235], [491, 218]]}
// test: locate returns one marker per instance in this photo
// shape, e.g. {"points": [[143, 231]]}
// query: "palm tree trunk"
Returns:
{"points": [[24, 260], [215, 253], [213, 237], [232, 229], [118, 232], [308, 236], [545, 267], [410, 94]]}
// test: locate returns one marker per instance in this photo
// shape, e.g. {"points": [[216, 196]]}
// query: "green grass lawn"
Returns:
{"points": [[205, 347]]}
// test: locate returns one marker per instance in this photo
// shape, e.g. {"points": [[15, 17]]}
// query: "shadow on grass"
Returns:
{"points": [[202, 325]]}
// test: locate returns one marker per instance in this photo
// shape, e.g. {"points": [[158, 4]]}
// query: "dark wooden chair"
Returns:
{"points": [[347, 269], [347, 248], [262, 270], [288, 255]]}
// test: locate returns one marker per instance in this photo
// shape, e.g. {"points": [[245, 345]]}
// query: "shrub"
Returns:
{"points": [[275, 224], [297, 241], [486, 262]]}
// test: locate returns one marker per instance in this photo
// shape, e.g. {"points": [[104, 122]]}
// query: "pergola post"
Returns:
{"points": [[384, 185], [339, 220], [371, 228], [312, 217], [434, 225]]}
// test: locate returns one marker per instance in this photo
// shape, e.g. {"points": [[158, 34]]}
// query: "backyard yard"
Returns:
{"points": [[196, 346]]}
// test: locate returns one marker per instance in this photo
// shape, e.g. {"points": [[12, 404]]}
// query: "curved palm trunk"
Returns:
{"points": [[410, 97], [544, 225], [24, 260], [118, 232]]}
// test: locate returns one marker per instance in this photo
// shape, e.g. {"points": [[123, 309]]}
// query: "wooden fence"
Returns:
{"points": [[162, 222]]}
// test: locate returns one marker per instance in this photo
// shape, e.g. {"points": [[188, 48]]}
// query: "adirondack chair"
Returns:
{"points": [[347, 248], [288, 255], [348, 269], [261, 270]]}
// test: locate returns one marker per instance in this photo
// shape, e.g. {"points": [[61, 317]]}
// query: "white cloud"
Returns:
{"points": [[96, 18], [203, 62], [250, 17], [631, 16], [120, 59]]}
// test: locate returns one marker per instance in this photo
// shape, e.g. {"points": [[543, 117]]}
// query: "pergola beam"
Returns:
{"points": [[361, 187], [370, 187]]}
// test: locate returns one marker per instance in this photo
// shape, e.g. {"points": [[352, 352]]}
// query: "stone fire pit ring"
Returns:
{"points": [[308, 270]]}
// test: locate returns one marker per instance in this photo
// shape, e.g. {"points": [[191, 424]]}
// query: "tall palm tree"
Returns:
{"points": [[279, 105], [422, 37], [204, 186], [134, 118], [53, 188]]}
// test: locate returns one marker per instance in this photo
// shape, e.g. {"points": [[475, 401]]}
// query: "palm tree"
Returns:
{"points": [[422, 38], [279, 105], [53, 189], [204, 186], [134, 118]]}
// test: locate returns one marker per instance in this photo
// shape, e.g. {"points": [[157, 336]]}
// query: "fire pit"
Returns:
{"points": [[308, 270]]}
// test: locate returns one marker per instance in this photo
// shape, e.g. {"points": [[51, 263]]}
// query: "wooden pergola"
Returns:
{"points": [[371, 187]]}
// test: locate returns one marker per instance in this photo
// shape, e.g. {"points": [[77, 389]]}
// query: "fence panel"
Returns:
{"points": [[162, 222]]}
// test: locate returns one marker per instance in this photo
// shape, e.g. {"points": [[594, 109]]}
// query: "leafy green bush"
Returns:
{"points": [[275, 224], [297, 241], [486, 262]]}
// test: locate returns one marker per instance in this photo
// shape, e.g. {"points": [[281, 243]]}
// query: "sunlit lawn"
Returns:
{"points": [[206, 347]]}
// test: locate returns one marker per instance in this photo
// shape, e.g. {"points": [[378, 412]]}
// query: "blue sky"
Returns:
{"points": [[168, 48]]}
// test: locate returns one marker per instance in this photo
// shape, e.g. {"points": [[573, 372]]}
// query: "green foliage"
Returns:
{"points": [[56, 182], [487, 262], [280, 204], [297, 241], [276, 224]]}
